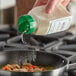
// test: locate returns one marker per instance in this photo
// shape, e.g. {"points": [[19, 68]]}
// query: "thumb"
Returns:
{"points": [[65, 2], [51, 5]]}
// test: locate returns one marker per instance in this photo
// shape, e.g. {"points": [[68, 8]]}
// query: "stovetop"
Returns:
{"points": [[63, 43]]}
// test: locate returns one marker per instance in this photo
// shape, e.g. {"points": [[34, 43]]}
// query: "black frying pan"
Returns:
{"points": [[59, 62]]}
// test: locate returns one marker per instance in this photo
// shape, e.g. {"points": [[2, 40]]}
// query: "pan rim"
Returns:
{"points": [[63, 57]]}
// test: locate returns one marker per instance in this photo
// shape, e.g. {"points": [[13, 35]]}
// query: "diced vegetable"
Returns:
{"points": [[25, 68]]}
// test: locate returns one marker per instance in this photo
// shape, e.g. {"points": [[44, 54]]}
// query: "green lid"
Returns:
{"points": [[26, 23]]}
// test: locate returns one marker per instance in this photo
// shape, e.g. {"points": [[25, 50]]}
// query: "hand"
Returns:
{"points": [[50, 4]]}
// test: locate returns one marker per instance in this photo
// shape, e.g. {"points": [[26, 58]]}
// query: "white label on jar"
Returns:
{"points": [[59, 24]]}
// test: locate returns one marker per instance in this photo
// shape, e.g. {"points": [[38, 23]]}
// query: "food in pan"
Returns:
{"points": [[25, 68]]}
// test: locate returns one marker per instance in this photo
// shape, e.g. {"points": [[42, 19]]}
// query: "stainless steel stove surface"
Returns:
{"points": [[63, 43]]}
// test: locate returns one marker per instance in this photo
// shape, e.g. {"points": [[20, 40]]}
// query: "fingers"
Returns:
{"points": [[40, 2], [51, 5]]}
